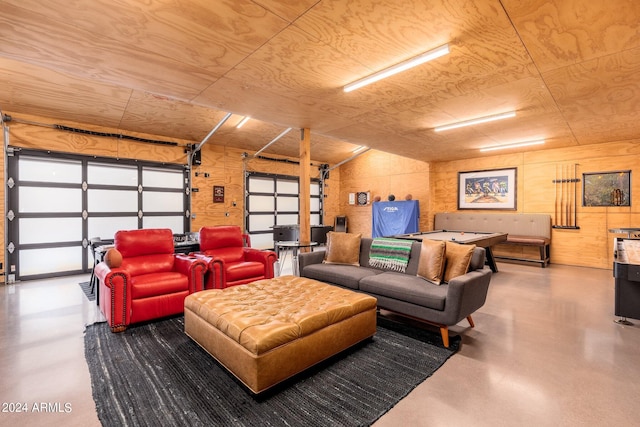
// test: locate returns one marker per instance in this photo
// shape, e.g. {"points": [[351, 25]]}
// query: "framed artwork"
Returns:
{"points": [[606, 188], [218, 194], [488, 189]]}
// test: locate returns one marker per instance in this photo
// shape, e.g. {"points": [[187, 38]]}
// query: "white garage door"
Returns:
{"points": [[274, 200], [57, 202]]}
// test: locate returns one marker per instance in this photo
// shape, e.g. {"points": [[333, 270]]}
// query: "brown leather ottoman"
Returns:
{"points": [[269, 330]]}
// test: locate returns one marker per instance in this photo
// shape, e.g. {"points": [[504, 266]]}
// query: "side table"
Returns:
{"points": [[295, 247]]}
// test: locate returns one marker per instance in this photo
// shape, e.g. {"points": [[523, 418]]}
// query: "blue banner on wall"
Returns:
{"points": [[390, 218]]}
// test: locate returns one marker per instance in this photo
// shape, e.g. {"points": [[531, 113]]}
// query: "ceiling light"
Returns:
{"points": [[359, 149], [402, 66], [476, 121], [516, 145], [242, 122]]}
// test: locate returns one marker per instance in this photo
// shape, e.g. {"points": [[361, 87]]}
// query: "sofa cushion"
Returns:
{"points": [[159, 263], [404, 287], [343, 248], [243, 270], [154, 284], [347, 276], [458, 259], [432, 260]]}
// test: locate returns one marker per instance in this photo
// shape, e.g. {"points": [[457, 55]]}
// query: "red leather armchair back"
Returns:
{"points": [[230, 261], [132, 243], [146, 251], [224, 242]]}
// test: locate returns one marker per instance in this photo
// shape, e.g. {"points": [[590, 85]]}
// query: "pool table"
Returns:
{"points": [[485, 240]]}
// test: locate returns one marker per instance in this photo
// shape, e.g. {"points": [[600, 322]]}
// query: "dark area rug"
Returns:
{"points": [[86, 288], [153, 374]]}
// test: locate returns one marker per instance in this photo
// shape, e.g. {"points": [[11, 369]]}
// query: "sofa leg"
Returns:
{"points": [[470, 320], [444, 332], [117, 329]]}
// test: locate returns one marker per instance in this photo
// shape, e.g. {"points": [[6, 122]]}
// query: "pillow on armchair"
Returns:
{"points": [[113, 258], [343, 248]]}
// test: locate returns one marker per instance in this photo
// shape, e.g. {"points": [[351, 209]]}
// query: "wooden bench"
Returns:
{"points": [[524, 230]]}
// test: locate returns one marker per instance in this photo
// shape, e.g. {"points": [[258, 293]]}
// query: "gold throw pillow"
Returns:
{"points": [[458, 259], [432, 261], [343, 248]]}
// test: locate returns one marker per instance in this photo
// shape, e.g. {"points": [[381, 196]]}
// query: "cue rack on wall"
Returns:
{"points": [[566, 190]]}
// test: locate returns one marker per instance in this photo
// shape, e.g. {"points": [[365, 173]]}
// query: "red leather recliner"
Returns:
{"points": [[230, 261], [152, 280]]}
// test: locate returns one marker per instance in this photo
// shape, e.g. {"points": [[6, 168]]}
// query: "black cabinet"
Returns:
{"points": [[286, 233], [627, 292], [319, 233], [291, 233]]}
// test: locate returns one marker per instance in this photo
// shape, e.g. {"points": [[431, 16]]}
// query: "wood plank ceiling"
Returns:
{"points": [[174, 68]]}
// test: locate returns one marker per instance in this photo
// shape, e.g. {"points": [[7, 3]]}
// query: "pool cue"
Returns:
{"points": [[565, 181], [561, 195], [575, 195], [568, 196], [573, 198], [570, 219], [572, 206], [555, 201]]}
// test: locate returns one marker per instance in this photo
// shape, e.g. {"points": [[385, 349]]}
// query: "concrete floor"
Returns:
{"points": [[545, 352]]}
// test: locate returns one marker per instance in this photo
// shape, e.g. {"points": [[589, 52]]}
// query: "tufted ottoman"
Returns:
{"points": [[269, 330]]}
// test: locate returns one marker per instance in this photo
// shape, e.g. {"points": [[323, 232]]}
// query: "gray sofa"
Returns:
{"points": [[406, 293]]}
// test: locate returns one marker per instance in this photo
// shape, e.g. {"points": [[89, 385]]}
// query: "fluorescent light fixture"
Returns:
{"points": [[398, 68], [476, 121], [516, 145], [242, 122], [359, 149]]}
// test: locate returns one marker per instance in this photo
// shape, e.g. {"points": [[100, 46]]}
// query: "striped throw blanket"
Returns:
{"points": [[390, 254]]}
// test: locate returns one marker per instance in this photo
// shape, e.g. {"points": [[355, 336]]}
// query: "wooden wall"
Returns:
{"points": [[589, 246], [225, 166], [383, 174], [435, 185]]}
